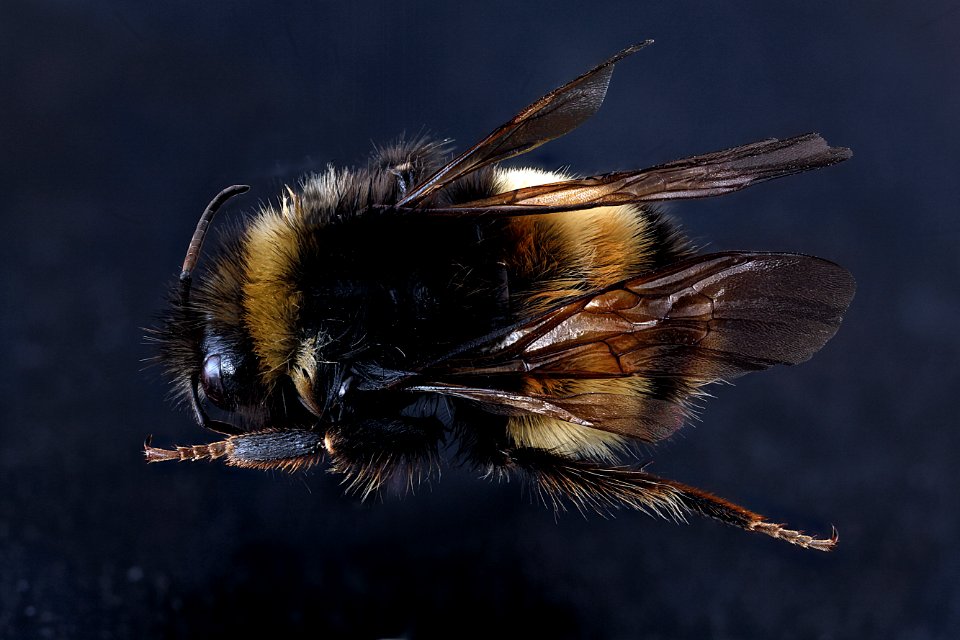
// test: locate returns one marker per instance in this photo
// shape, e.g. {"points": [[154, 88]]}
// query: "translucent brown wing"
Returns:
{"points": [[701, 176], [710, 318], [555, 114], [643, 418]]}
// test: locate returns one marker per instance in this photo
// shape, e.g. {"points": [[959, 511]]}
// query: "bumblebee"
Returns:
{"points": [[546, 323]]}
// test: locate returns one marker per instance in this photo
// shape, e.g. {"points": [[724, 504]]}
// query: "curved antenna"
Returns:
{"points": [[186, 278], [193, 251]]}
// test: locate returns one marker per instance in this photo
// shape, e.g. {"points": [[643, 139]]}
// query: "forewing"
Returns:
{"points": [[710, 318], [697, 177], [552, 116]]}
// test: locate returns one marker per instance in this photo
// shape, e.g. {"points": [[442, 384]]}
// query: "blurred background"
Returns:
{"points": [[119, 121]]}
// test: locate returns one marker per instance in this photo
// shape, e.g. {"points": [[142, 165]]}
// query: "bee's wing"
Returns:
{"points": [[643, 418], [710, 318], [701, 176], [555, 114]]}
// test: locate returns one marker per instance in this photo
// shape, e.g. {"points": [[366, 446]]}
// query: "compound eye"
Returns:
{"points": [[211, 377]]}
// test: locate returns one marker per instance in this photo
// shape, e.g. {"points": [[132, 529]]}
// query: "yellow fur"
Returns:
{"points": [[567, 438], [603, 246], [271, 299]]}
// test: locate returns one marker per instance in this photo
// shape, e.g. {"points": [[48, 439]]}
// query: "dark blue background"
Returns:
{"points": [[118, 122]]}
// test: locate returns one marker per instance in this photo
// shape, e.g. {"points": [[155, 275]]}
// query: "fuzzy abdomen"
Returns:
{"points": [[556, 257]]}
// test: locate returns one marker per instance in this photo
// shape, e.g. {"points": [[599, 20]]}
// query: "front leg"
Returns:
{"points": [[367, 452], [284, 449], [371, 452]]}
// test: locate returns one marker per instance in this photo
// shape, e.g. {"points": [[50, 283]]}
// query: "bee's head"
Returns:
{"points": [[207, 356], [203, 342]]}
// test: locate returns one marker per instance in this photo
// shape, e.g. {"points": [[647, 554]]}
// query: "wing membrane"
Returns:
{"points": [[718, 315], [555, 114], [643, 418], [701, 176], [713, 317]]}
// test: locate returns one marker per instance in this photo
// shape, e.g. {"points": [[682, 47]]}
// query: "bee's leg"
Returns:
{"points": [[287, 449], [594, 487], [373, 452]]}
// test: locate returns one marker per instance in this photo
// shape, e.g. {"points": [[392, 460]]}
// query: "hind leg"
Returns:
{"points": [[590, 486]]}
